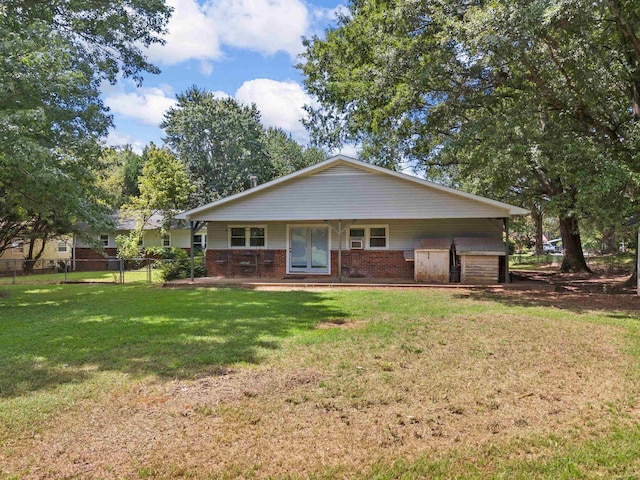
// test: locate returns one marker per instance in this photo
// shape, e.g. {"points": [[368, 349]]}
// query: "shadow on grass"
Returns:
{"points": [[53, 336], [618, 306]]}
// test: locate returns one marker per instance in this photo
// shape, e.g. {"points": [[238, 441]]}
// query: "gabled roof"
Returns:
{"points": [[197, 213]]}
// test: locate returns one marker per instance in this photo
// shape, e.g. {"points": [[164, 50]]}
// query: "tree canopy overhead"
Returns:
{"points": [[524, 99], [53, 57]]}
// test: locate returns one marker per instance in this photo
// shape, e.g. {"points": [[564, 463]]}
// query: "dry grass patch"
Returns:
{"points": [[441, 386]]}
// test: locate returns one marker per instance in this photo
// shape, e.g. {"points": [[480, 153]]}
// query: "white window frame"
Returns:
{"points": [[166, 236], [62, 243], [203, 241], [367, 236], [105, 242], [247, 237]]}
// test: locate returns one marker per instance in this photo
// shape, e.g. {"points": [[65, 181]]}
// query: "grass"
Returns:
{"points": [[130, 276], [621, 262], [384, 384]]}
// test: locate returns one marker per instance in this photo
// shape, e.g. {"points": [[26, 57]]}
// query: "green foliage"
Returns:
{"points": [[130, 245], [288, 156], [164, 189], [220, 141], [175, 263], [53, 57], [121, 168]]}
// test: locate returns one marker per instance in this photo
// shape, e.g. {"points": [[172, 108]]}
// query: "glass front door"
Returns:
{"points": [[309, 249]]}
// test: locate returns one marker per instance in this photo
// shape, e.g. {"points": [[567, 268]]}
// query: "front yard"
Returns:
{"points": [[135, 381]]}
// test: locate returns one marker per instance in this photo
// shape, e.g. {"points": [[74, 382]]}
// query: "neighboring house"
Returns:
{"points": [[376, 221], [91, 254], [55, 250]]}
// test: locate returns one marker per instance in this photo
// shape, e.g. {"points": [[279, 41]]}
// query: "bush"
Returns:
{"points": [[174, 263]]}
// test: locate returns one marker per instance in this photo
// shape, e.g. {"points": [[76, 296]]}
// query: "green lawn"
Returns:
{"points": [[130, 276], [232, 383], [618, 263]]}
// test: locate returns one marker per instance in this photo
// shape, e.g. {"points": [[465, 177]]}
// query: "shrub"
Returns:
{"points": [[174, 263]]}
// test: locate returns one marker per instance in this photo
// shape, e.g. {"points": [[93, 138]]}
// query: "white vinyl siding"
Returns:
{"points": [[401, 234], [348, 193]]}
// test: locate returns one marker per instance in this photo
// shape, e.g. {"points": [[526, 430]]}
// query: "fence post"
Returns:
{"points": [[122, 270], [148, 270], [65, 270], [15, 268]]}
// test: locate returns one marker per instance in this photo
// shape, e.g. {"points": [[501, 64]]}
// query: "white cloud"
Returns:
{"points": [[206, 68], [280, 103], [199, 32], [145, 104], [193, 34], [265, 26], [117, 139]]}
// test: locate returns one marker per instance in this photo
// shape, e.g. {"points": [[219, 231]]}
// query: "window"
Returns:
{"points": [[247, 237], [199, 242], [374, 237], [256, 237], [377, 237], [18, 247], [63, 247], [104, 238], [166, 240]]}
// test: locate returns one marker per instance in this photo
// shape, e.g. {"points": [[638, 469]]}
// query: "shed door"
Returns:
{"points": [[432, 266]]}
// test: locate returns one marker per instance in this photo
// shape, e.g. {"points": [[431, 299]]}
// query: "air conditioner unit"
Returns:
{"points": [[356, 244]]}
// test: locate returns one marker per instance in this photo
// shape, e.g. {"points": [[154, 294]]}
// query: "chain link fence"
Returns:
{"points": [[96, 270]]}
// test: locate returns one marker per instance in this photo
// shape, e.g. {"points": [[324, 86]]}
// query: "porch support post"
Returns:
{"points": [[506, 250], [191, 233], [339, 231], [339, 251]]}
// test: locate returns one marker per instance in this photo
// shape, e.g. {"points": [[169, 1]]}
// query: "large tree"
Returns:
{"points": [[164, 189], [221, 142], [515, 96], [53, 58], [287, 155]]}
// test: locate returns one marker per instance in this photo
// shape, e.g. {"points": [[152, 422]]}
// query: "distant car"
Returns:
{"points": [[548, 248]]}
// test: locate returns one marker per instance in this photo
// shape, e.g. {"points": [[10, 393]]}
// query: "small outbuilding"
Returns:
{"points": [[433, 260], [480, 259]]}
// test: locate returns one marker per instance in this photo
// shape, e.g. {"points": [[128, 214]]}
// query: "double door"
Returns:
{"points": [[309, 250]]}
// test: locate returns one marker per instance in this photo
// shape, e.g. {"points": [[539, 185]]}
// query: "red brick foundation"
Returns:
{"points": [[355, 264], [89, 260], [372, 264]]}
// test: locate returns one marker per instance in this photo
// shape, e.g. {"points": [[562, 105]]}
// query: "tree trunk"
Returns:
{"points": [[573, 259], [536, 216], [31, 259], [633, 280]]}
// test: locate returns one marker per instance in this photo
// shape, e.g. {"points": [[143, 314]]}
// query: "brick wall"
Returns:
{"points": [[355, 263], [372, 264], [90, 261], [229, 263]]}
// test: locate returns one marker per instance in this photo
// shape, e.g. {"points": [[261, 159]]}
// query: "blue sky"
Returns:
{"points": [[246, 49]]}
